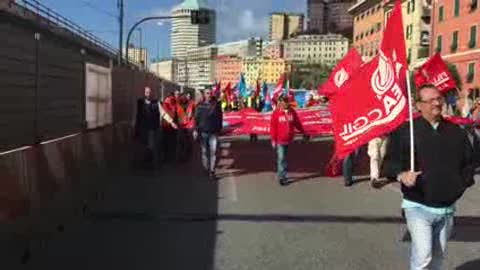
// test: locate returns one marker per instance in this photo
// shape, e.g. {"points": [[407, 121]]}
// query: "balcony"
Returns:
{"points": [[426, 12]]}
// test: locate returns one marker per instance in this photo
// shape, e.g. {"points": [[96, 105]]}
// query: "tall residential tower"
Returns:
{"points": [[186, 35]]}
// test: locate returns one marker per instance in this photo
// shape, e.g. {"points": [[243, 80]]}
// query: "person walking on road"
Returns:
{"points": [[377, 148], [208, 125], [348, 166], [149, 113], [444, 168], [283, 122]]}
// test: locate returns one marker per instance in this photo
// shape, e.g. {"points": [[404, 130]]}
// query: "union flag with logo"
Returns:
{"points": [[435, 72], [374, 100], [341, 73]]}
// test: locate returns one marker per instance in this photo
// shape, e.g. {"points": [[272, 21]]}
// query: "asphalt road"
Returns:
{"points": [[178, 219]]}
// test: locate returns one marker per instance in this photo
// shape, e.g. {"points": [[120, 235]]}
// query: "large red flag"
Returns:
{"points": [[257, 90], [228, 93], [435, 72], [374, 101], [279, 88], [341, 73], [217, 88]]}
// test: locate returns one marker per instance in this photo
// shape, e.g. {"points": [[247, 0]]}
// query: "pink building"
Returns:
{"points": [[455, 35], [228, 69], [273, 50]]}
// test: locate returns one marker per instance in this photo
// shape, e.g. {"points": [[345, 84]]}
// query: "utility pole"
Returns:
{"points": [[120, 41]]}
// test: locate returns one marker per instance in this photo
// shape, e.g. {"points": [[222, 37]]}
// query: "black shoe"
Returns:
{"points": [[376, 183], [212, 175], [348, 183], [283, 182]]}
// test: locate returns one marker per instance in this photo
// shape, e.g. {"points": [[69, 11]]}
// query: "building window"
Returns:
{"points": [[440, 14], [439, 44], [409, 31], [471, 72], [409, 55], [473, 5], [473, 37], [453, 47], [457, 8], [413, 6]]}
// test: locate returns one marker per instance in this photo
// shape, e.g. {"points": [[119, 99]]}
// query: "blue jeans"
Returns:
{"points": [[429, 233], [209, 143], [348, 165], [282, 163]]}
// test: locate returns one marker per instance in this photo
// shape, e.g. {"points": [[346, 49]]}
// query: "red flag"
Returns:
{"points": [[435, 72], [216, 90], [374, 101], [257, 90], [279, 88], [228, 93], [341, 73]]}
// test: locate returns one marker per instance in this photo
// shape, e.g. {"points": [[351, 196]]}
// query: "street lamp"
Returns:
{"points": [[197, 17]]}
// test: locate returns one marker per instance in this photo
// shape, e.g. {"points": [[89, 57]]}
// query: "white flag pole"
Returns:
{"points": [[410, 119]]}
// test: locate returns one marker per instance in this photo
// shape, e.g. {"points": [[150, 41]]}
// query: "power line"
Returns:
{"points": [[98, 9]]}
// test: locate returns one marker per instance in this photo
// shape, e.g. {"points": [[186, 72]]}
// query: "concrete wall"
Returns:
{"points": [[51, 167]]}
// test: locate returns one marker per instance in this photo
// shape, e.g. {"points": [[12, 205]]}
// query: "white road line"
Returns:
{"points": [[224, 153], [228, 185], [225, 144], [231, 186]]}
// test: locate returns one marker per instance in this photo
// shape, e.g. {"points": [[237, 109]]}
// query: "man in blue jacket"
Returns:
{"points": [[208, 125]]}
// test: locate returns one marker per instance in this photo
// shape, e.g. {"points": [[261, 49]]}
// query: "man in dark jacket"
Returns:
{"points": [[443, 171], [147, 123], [208, 125]]}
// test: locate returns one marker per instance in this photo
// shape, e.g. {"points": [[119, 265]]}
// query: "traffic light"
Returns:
{"points": [[200, 16]]}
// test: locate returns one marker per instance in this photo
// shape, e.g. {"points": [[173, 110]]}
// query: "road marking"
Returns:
{"points": [[225, 144], [225, 153], [225, 163], [228, 185], [231, 185]]}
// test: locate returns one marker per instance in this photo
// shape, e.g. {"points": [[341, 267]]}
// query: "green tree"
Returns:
{"points": [[309, 76]]}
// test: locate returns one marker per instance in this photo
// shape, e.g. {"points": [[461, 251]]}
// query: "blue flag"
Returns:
{"points": [[242, 86]]}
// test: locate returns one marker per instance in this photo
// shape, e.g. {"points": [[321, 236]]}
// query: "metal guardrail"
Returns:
{"points": [[55, 19]]}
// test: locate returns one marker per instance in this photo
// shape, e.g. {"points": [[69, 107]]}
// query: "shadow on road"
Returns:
{"points": [[137, 226], [473, 265], [310, 158]]}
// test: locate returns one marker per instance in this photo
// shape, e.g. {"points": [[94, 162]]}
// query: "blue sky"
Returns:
{"points": [[236, 19]]}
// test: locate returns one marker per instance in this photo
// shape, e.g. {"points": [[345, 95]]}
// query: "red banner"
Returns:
{"points": [[316, 121]]}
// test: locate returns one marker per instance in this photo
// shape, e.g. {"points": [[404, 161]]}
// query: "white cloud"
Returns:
{"points": [[161, 12], [246, 18]]}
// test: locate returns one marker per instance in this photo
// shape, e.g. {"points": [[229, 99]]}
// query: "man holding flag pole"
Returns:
{"points": [[429, 156]]}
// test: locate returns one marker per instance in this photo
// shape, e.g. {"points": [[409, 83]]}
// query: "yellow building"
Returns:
{"points": [[263, 69], [294, 24], [138, 56], [271, 70], [417, 28], [284, 25], [251, 69]]}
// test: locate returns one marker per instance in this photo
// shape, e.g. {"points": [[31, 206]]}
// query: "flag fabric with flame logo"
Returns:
{"points": [[435, 72], [373, 101], [341, 73]]}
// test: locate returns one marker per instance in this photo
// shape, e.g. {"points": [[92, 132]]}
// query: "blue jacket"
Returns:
{"points": [[209, 117]]}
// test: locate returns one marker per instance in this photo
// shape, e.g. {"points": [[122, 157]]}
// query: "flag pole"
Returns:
{"points": [[410, 119]]}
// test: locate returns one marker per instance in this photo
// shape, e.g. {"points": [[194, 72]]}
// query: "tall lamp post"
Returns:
{"points": [[197, 17]]}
